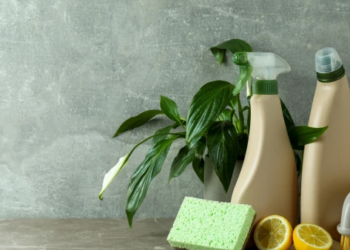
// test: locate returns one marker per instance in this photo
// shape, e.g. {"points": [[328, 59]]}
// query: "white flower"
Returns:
{"points": [[109, 177]]}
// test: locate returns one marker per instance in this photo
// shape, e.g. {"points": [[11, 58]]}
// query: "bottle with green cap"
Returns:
{"points": [[268, 180], [326, 163]]}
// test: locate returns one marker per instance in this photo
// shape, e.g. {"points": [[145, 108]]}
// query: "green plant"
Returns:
{"points": [[215, 123]]}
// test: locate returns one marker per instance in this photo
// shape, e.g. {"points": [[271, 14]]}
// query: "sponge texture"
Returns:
{"points": [[210, 225]]}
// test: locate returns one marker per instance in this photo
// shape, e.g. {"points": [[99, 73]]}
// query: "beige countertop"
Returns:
{"points": [[91, 234]]}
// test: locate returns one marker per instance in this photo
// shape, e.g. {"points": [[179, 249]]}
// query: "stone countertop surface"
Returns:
{"points": [[69, 234], [91, 234]]}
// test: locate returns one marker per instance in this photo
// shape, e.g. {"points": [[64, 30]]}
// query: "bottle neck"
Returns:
{"points": [[331, 76], [265, 87]]}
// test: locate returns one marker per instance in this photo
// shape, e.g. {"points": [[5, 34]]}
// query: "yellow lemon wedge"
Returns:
{"points": [[273, 233], [311, 237]]}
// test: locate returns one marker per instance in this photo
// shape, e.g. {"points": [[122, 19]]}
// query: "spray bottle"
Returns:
{"points": [[268, 180], [326, 164]]}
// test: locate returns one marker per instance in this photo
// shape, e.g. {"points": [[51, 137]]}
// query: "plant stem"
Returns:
{"points": [[249, 87], [235, 120], [150, 137], [240, 114], [182, 119], [183, 126]]}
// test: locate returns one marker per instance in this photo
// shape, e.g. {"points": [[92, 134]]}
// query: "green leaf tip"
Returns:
{"points": [[198, 168], [233, 45], [219, 54], [170, 109], [299, 136], [130, 216], [137, 121]]}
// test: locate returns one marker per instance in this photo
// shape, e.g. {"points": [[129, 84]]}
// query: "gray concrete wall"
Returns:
{"points": [[72, 70]]}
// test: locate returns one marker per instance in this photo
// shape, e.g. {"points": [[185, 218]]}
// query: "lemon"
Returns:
{"points": [[273, 233], [311, 237]]}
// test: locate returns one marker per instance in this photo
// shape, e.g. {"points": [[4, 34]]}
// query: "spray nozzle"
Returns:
{"points": [[261, 66], [267, 66]]}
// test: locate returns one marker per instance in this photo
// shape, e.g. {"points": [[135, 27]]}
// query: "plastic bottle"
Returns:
{"points": [[268, 180], [326, 164]]}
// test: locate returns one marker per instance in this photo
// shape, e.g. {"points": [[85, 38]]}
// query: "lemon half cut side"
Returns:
{"points": [[311, 237], [273, 233]]}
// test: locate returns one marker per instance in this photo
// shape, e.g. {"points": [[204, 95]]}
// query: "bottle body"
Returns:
{"points": [[268, 179], [326, 163]]}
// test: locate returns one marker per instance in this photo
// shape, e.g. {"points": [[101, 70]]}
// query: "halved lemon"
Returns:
{"points": [[272, 233], [311, 237]]}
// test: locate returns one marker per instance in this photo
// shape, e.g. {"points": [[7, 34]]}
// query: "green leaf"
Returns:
{"points": [[233, 45], [198, 162], [302, 135], [235, 122], [298, 163], [209, 102], [245, 72], [162, 133], [233, 101], [243, 144], [181, 161], [113, 172], [198, 167], [137, 121], [170, 109], [223, 149], [200, 146], [226, 115], [288, 120], [144, 174], [186, 156]]}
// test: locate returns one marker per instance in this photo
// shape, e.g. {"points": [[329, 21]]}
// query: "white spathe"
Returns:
{"points": [[109, 177]]}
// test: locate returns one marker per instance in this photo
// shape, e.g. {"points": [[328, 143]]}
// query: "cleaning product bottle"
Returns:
{"points": [[326, 164], [344, 226], [268, 179]]}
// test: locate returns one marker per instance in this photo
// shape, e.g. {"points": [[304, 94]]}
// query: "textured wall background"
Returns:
{"points": [[72, 70]]}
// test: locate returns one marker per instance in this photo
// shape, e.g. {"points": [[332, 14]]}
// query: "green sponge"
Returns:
{"points": [[210, 225]]}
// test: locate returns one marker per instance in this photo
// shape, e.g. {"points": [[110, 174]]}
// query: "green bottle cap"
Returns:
{"points": [[265, 87], [331, 76], [329, 67]]}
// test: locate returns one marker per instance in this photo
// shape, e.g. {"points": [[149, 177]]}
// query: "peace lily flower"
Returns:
{"points": [[109, 177]]}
